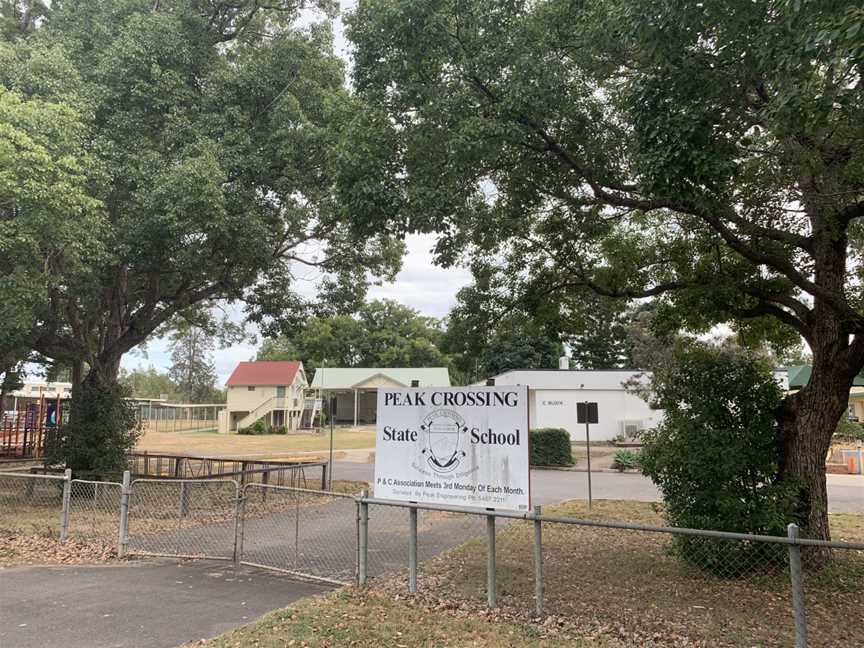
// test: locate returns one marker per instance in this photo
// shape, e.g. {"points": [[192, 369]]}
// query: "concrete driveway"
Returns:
{"points": [[135, 605]]}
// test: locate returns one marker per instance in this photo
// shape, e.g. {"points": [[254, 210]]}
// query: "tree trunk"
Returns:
{"points": [[807, 421]]}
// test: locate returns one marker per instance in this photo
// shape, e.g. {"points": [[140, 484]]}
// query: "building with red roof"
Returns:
{"points": [[265, 390]]}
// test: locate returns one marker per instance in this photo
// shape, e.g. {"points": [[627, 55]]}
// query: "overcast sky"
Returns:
{"points": [[420, 284]]}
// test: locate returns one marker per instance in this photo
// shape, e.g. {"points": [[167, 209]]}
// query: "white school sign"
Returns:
{"points": [[464, 446]]}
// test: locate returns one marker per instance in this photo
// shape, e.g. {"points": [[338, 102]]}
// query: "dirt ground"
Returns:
{"points": [[271, 446]]}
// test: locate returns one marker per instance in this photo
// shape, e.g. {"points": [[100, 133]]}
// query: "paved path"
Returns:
{"points": [[845, 492], [138, 605]]}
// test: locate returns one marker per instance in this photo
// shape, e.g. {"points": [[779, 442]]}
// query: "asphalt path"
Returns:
{"points": [[845, 492], [137, 605]]}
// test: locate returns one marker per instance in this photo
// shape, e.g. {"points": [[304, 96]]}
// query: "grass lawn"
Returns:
{"points": [[271, 446], [629, 584], [604, 588], [353, 618]]}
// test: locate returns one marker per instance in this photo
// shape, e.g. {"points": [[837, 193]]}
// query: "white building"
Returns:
{"points": [[47, 390], [355, 389], [554, 393], [272, 391]]}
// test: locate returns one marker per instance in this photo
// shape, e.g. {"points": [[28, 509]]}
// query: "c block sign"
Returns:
{"points": [[464, 446]]}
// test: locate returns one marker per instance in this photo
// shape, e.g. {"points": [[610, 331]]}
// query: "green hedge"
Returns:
{"points": [[550, 447]]}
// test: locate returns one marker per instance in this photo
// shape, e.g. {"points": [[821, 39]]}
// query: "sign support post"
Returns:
{"points": [[587, 413], [588, 450]]}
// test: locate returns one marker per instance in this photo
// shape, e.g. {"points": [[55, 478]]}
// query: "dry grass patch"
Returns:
{"points": [[271, 446], [628, 584], [350, 617]]}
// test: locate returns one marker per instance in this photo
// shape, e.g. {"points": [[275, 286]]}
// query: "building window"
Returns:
{"points": [[251, 388]]}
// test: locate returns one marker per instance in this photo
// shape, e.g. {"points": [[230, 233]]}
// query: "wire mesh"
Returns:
{"points": [[183, 517], [31, 504], [94, 511], [437, 532], [834, 596], [311, 533]]}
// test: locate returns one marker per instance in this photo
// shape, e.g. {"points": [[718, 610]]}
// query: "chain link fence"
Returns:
{"points": [[643, 580], [94, 511], [31, 503]]}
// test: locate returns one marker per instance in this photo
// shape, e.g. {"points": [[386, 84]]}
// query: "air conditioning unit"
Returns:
{"points": [[631, 429]]}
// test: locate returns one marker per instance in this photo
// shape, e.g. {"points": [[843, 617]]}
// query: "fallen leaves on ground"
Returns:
{"points": [[28, 549]]}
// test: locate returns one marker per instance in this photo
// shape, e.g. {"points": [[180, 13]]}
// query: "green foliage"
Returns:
{"points": [[45, 211], [849, 430], [550, 447], [192, 368], [101, 431], [626, 460], [483, 339], [161, 155], [708, 155], [714, 456], [381, 334], [509, 350], [148, 383], [258, 427]]}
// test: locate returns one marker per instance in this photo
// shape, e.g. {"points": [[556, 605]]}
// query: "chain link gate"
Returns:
{"points": [[183, 518], [307, 533]]}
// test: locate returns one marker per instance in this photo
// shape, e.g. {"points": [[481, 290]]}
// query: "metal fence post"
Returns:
{"points": [[412, 550], [67, 501], [491, 593], [239, 524], [357, 541], [364, 537], [795, 574], [538, 561], [123, 538]]}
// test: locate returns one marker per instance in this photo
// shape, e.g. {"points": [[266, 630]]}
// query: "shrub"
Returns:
{"points": [[279, 429], [625, 460], [550, 447], [849, 431], [258, 427], [714, 455]]}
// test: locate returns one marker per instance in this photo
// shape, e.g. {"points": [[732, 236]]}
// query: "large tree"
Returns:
{"points": [[382, 333], [707, 154], [148, 383], [192, 367], [212, 137]]}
